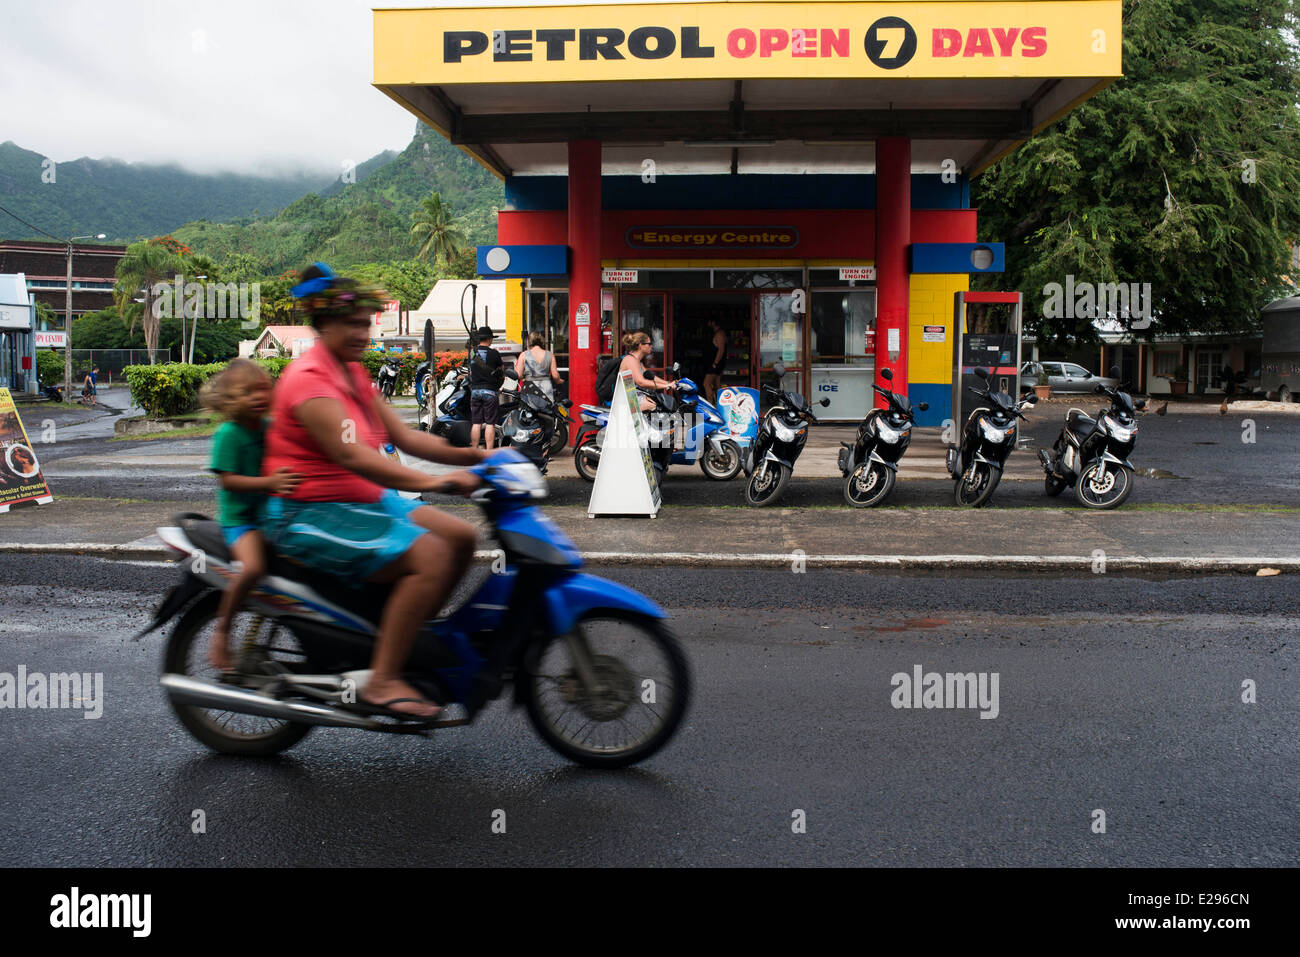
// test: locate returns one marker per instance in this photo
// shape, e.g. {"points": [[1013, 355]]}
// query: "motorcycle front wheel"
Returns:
{"points": [[1110, 492], [722, 464], [766, 484], [253, 640], [868, 485], [560, 440], [586, 465], [609, 693], [975, 487]]}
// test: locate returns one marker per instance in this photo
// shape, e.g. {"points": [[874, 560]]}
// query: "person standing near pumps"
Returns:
{"points": [[486, 374]]}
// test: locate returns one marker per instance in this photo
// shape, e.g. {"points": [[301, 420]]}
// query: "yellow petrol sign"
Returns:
{"points": [[1051, 38]]}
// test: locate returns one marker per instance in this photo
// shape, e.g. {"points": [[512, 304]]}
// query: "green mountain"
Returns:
{"points": [[129, 201], [368, 221]]}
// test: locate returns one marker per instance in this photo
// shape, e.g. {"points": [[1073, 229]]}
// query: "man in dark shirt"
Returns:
{"points": [[484, 379]]}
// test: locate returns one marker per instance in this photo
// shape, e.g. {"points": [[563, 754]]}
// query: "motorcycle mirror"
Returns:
{"points": [[1140, 404], [924, 406], [677, 366], [511, 374], [824, 402], [1032, 398], [779, 369], [567, 403], [1100, 390], [887, 375], [982, 373], [1114, 372]]}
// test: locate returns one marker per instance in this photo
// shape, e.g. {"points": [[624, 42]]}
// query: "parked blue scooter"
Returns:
{"points": [[706, 439]]}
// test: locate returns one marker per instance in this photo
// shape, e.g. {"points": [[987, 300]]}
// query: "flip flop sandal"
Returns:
{"points": [[386, 708]]}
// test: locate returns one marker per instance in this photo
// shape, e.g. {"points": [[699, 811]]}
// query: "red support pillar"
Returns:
{"points": [[893, 236], [584, 268]]}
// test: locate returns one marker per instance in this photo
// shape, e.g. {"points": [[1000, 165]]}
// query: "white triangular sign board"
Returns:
{"points": [[625, 483]]}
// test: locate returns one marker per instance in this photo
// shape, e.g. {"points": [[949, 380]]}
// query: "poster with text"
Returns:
{"points": [[21, 480]]}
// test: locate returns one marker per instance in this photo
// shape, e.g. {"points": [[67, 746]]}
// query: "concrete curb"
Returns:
{"points": [[993, 564]]}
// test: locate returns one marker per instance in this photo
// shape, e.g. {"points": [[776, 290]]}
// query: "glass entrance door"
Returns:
{"points": [[645, 312], [780, 338]]}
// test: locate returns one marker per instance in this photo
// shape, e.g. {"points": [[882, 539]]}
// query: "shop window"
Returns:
{"points": [[839, 321], [1209, 363], [780, 337], [757, 278], [1166, 362], [645, 313], [548, 313]]}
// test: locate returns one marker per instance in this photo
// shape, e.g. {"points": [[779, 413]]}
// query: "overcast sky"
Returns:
{"points": [[246, 85]]}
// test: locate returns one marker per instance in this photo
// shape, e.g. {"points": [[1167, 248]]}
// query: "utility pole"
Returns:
{"points": [[67, 320]]}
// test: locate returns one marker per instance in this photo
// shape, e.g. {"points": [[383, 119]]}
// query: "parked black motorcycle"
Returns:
{"points": [[1092, 454], [987, 440], [769, 461], [870, 464], [535, 423], [388, 374]]}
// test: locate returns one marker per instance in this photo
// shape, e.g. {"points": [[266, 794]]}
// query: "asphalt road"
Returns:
{"points": [[1118, 695]]}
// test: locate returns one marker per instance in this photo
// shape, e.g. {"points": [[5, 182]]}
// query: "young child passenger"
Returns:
{"points": [[241, 393]]}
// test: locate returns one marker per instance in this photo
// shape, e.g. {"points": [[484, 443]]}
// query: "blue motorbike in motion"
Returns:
{"points": [[603, 680], [706, 438]]}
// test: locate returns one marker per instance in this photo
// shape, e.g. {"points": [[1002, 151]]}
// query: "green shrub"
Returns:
{"points": [[274, 365], [49, 366], [170, 389]]}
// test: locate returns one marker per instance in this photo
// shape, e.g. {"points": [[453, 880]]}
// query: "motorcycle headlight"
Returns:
{"points": [[991, 434], [1119, 432], [782, 431], [887, 434]]}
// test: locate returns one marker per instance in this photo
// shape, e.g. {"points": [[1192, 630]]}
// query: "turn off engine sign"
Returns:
{"points": [[1056, 38]]}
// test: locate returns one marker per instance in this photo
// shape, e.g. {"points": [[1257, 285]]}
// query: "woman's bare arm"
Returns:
{"points": [[423, 445], [327, 423]]}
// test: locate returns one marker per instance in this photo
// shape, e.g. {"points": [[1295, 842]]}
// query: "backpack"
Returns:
{"points": [[498, 374], [606, 377]]}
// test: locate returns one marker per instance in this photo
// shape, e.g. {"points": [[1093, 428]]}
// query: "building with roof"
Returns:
{"points": [[45, 264], [17, 334], [796, 172]]}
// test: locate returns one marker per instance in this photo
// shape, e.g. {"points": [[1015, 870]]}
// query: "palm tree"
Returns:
{"points": [[144, 266], [437, 231], [197, 266]]}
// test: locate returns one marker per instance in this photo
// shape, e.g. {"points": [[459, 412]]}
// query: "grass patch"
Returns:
{"points": [[190, 432]]}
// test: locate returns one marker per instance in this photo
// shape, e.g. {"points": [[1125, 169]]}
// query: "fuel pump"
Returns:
{"points": [[988, 338]]}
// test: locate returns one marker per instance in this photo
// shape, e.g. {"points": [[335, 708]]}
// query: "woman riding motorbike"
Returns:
{"points": [[344, 517], [636, 349]]}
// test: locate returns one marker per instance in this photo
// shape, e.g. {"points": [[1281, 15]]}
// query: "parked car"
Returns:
{"points": [[1065, 377]]}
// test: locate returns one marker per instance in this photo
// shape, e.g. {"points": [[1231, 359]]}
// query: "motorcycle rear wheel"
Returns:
{"points": [[868, 485], [1110, 494], [626, 727], [721, 465], [586, 466], [225, 731], [976, 493], [760, 490]]}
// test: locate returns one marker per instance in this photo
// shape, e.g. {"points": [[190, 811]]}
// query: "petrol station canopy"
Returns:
{"points": [[746, 87]]}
